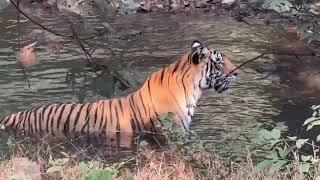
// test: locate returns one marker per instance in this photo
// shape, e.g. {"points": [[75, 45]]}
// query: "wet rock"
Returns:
{"points": [[228, 2], [175, 6], [128, 6], [200, 3], [315, 8], [186, 3], [146, 7], [160, 6], [243, 6]]}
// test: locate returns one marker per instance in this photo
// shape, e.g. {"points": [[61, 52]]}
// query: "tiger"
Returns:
{"points": [[175, 88]]}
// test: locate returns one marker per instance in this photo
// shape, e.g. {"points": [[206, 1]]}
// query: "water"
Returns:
{"points": [[266, 90]]}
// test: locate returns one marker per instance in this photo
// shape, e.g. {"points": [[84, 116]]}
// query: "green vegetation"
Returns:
{"points": [[304, 12], [284, 152]]}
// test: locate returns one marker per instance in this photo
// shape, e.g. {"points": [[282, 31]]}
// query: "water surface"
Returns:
{"points": [[266, 90]]}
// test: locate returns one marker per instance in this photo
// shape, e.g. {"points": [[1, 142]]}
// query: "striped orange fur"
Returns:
{"points": [[175, 88]]}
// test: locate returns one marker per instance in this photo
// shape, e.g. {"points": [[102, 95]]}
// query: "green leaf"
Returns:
{"points": [[313, 123], [304, 168], [301, 142], [315, 160], [83, 167], [54, 169], [274, 142], [106, 174], [265, 134], [170, 116], [301, 27], [275, 133], [310, 120], [286, 151], [273, 155], [315, 107], [262, 165], [305, 158], [292, 138], [277, 166]]}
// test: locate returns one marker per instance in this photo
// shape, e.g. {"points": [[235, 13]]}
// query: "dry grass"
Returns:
{"points": [[152, 164]]}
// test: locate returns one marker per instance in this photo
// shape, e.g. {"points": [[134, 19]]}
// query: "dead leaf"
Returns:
{"points": [[315, 8], [27, 57]]}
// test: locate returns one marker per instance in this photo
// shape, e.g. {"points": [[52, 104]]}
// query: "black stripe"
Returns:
{"points": [[96, 116], [110, 111], [133, 125], [184, 65], [20, 119], [42, 117], [14, 119], [134, 112], [182, 121], [102, 114], [122, 113], [60, 115], [117, 114], [152, 127], [26, 120], [176, 66], [5, 121], [35, 113], [104, 126], [66, 124], [31, 122], [162, 74], [48, 119], [143, 105], [87, 119], [39, 120], [184, 87], [139, 113], [77, 118], [151, 98], [52, 119]]}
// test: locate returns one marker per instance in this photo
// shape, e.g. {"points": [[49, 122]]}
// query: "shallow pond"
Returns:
{"points": [[272, 90]]}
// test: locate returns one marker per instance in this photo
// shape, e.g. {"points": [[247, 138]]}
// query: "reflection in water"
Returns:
{"points": [[80, 147], [220, 119]]}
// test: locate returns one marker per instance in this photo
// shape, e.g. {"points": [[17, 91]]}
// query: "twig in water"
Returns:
{"points": [[95, 66]]}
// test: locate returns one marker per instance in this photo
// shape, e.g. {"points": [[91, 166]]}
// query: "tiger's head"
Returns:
{"points": [[216, 69]]}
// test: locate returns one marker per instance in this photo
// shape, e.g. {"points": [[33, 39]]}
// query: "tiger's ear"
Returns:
{"points": [[199, 52], [195, 44]]}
